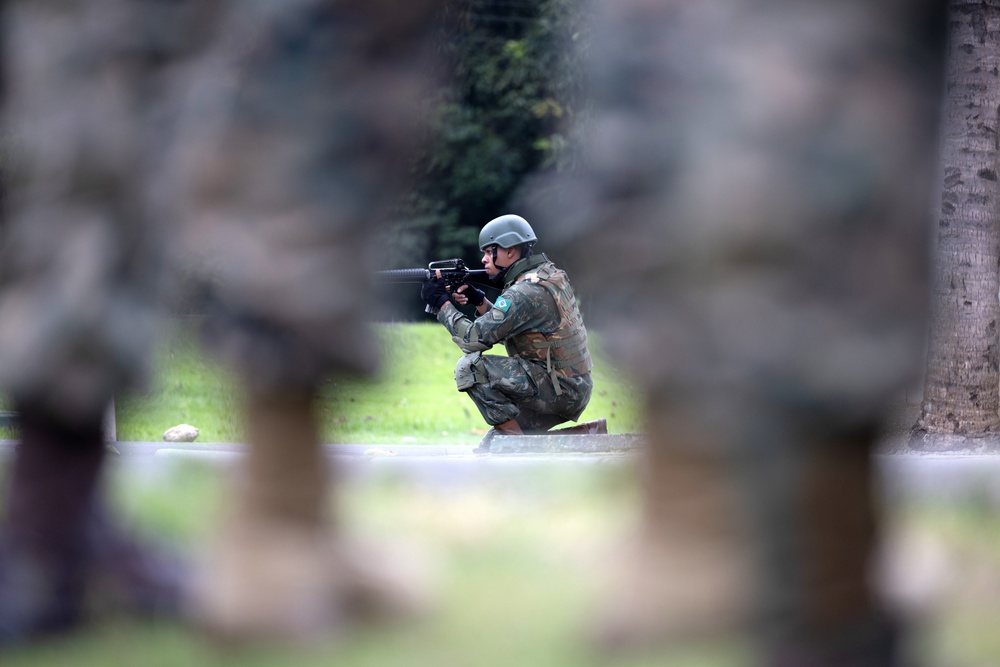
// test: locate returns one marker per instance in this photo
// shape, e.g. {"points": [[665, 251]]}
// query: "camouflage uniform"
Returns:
{"points": [[545, 380], [292, 146], [154, 140], [755, 191], [87, 122], [238, 155], [281, 202], [89, 103]]}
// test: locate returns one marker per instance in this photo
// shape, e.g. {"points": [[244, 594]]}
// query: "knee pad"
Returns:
{"points": [[470, 371]]}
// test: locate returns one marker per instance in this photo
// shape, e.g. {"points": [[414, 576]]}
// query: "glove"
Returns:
{"points": [[434, 293], [475, 295]]}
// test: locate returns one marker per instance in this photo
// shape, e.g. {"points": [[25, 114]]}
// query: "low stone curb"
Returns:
{"points": [[550, 443], [499, 445], [624, 443], [925, 444]]}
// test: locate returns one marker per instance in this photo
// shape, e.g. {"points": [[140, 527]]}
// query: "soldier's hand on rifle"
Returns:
{"points": [[434, 293], [468, 294]]}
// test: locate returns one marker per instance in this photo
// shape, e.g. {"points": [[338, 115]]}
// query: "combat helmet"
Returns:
{"points": [[506, 231]]}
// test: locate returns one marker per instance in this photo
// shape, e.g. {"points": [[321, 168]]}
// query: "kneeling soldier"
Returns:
{"points": [[545, 379]]}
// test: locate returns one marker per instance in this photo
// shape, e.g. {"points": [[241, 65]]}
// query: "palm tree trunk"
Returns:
{"points": [[962, 385]]}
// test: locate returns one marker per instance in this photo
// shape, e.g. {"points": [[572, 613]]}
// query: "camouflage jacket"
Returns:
{"points": [[536, 317]]}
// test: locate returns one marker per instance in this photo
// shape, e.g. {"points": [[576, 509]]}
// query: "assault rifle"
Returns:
{"points": [[454, 274]]}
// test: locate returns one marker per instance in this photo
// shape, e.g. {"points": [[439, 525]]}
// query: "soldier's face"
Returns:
{"points": [[505, 257]]}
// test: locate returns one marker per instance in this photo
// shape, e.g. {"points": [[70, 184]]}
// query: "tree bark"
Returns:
{"points": [[962, 385]]}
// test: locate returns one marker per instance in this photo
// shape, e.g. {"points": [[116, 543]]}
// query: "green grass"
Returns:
{"points": [[413, 400], [520, 557], [187, 388]]}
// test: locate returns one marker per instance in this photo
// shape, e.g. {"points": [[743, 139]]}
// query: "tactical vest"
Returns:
{"points": [[564, 351]]}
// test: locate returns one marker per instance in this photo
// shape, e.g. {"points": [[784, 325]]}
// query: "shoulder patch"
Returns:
{"points": [[502, 304]]}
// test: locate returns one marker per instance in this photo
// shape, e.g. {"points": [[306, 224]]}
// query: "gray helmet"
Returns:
{"points": [[506, 231]]}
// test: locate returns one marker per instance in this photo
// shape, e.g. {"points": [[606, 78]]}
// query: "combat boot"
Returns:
{"points": [[61, 551], [281, 568], [595, 427], [819, 604], [686, 575], [509, 427]]}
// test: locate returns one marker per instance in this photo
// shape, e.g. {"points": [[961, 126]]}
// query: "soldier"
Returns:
{"points": [[293, 146], [269, 136], [84, 102], [755, 190], [546, 379]]}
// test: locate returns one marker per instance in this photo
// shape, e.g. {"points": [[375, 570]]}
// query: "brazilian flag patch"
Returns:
{"points": [[502, 304]]}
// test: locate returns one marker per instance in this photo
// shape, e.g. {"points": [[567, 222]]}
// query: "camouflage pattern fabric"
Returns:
{"points": [[519, 387], [281, 199], [765, 245], [239, 153], [89, 105], [751, 229], [564, 350], [153, 151]]}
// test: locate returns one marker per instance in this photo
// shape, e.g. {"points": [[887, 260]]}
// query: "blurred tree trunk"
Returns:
{"points": [[962, 385]]}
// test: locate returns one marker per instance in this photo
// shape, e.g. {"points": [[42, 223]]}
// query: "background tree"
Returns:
{"points": [[962, 386], [506, 111]]}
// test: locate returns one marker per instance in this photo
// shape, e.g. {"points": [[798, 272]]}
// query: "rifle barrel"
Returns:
{"points": [[420, 275], [402, 275]]}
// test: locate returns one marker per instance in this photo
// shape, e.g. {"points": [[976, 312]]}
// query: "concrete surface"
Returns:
{"points": [[947, 477]]}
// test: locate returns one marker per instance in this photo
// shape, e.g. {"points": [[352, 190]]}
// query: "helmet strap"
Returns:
{"points": [[526, 251], [497, 279]]}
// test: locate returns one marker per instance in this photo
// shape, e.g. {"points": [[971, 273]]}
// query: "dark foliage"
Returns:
{"points": [[506, 111]]}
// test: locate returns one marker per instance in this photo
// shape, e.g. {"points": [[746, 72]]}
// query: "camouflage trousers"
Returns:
{"points": [[230, 158], [508, 388], [750, 226]]}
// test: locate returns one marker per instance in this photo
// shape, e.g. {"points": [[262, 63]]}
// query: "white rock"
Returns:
{"points": [[181, 433]]}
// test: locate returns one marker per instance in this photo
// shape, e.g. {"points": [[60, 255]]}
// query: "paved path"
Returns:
{"points": [[946, 476]]}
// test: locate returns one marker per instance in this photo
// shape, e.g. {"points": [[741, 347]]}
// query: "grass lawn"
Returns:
{"points": [[520, 558], [414, 399]]}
